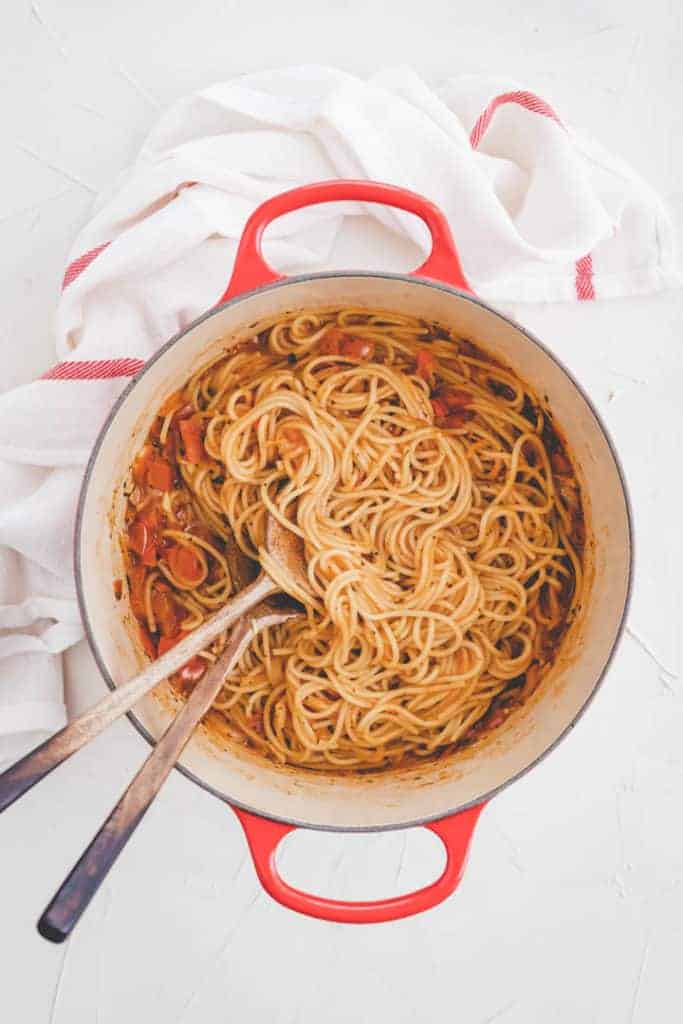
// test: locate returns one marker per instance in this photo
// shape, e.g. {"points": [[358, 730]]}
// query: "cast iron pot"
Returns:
{"points": [[445, 796]]}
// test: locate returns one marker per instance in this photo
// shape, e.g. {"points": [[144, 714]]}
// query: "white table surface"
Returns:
{"points": [[571, 908]]}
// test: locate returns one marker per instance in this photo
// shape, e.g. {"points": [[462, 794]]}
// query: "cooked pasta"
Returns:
{"points": [[441, 521]]}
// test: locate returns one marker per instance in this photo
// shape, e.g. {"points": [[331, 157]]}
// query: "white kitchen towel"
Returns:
{"points": [[538, 213]]}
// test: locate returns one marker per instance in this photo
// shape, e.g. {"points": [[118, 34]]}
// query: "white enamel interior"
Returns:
{"points": [[393, 799]]}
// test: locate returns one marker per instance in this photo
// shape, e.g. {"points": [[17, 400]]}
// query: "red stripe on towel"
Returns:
{"points": [[94, 369], [584, 278], [77, 267], [528, 100]]}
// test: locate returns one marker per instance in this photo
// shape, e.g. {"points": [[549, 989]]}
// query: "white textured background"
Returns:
{"points": [[571, 909]]}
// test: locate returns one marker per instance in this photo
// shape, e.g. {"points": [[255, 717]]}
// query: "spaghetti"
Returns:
{"points": [[441, 521]]}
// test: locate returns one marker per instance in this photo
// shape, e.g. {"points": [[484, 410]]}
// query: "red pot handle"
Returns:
{"points": [[264, 835], [251, 270]]}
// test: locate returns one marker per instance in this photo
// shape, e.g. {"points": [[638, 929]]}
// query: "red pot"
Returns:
{"points": [[448, 796]]}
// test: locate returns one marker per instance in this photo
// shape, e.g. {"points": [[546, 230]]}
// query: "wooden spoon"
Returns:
{"points": [[283, 546], [83, 881]]}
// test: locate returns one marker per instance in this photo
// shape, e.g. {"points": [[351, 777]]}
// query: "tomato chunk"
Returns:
{"points": [[426, 363], [149, 555], [191, 433], [185, 563], [185, 411], [160, 474], [454, 399], [151, 469], [136, 588], [331, 343], [165, 609], [454, 420], [150, 516], [167, 642], [440, 408], [142, 536], [170, 448], [193, 670], [138, 536], [357, 348]]}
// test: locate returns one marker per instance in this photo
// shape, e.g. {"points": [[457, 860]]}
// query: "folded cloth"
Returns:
{"points": [[538, 213]]}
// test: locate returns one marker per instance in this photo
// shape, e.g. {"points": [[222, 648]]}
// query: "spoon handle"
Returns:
{"points": [[40, 761], [83, 881]]}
